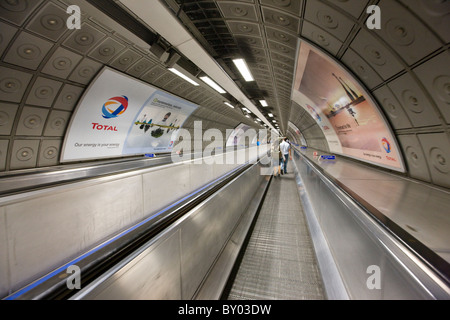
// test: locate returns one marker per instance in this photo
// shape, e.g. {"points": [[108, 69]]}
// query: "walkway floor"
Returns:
{"points": [[279, 262]]}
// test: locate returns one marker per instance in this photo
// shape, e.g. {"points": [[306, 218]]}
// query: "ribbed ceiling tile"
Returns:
{"points": [[153, 74], [3, 153], [31, 121], [434, 14], [28, 51], [17, 11], [291, 6], [437, 153], [356, 8], [409, 37], [361, 68], [414, 101], [282, 49], [24, 154], [414, 156], [49, 22], [436, 80], [140, 67], [7, 115], [84, 39], [125, 59], [281, 19], [68, 97], [43, 92], [106, 50], [328, 19], [7, 33], [13, 84], [244, 28], [49, 153], [237, 10], [57, 123], [321, 38], [392, 108], [61, 63], [85, 71], [376, 54]]}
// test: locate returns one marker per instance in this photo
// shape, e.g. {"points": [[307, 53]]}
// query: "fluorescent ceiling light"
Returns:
{"points": [[271, 115], [228, 104], [258, 119], [181, 75], [246, 110], [274, 121], [243, 69], [247, 116], [263, 103], [212, 84]]}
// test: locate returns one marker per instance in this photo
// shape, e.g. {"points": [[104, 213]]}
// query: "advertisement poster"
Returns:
{"points": [[350, 120], [299, 134], [119, 115], [236, 135]]}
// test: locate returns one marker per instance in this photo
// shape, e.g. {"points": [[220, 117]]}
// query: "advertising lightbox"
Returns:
{"points": [[119, 115], [299, 134], [350, 120], [234, 139]]}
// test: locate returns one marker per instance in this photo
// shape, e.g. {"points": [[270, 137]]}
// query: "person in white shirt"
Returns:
{"points": [[285, 148]]}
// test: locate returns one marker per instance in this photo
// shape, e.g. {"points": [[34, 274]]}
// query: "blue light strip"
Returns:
{"points": [[64, 267]]}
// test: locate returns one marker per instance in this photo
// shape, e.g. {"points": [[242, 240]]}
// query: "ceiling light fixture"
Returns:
{"points": [[228, 104], [270, 115], [263, 103], [212, 84], [243, 69], [246, 110], [181, 75]]}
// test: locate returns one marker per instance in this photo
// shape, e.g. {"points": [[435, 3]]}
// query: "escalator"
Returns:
{"points": [[278, 262]]}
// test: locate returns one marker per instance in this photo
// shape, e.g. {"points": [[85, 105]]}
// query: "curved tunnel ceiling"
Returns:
{"points": [[404, 65]]}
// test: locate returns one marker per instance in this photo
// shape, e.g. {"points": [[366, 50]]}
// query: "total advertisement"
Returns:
{"points": [[350, 120], [119, 115], [235, 137]]}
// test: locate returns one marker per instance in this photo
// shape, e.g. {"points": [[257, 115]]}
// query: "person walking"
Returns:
{"points": [[285, 148], [277, 158]]}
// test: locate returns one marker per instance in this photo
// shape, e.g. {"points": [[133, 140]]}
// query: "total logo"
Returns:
{"points": [[386, 145], [114, 107], [111, 109], [387, 148]]}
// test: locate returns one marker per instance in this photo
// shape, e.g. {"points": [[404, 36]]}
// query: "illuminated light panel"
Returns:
{"points": [[271, 115], [263, 103], [212, 84], [243, 69], [181, 75], [228, 104]]}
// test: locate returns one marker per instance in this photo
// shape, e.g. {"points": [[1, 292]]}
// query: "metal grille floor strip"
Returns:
{"points": [[279, 262]]}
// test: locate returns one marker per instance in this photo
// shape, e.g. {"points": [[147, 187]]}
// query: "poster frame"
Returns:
{"points": [[366, 92], [77, 109]]}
